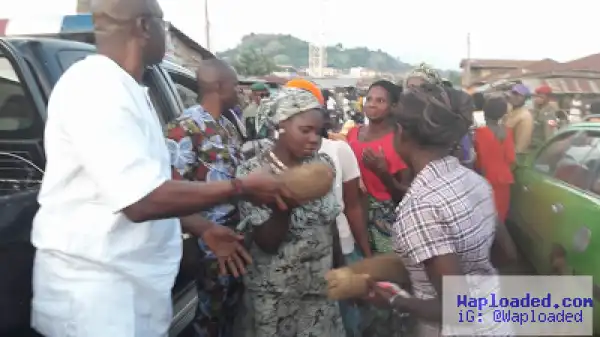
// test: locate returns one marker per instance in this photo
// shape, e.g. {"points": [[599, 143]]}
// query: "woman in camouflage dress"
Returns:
{"points": [[291, 250]]}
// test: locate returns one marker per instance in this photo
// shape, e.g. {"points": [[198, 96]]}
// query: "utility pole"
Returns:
{"points": [[467, 80], [317, 50], [83, 6], [207, 28]]}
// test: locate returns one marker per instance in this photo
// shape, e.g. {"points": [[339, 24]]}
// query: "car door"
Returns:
{"points": [[576, 229], [534, 192], [567, 196], [184, 292], [21, 168]]}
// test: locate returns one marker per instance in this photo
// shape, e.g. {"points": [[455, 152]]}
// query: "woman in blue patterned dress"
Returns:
{"points": [[291, 250]]}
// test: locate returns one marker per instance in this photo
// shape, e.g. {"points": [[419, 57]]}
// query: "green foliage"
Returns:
{"points": [[253, 62], [288, 50], [452, 76]]}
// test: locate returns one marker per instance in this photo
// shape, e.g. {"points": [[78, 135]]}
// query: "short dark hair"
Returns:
{"points": [[495, 108], [478, 101], [392, 90]]}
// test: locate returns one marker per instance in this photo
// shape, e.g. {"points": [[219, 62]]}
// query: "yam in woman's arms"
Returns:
{"points": [[262, 187], [308, 182]]}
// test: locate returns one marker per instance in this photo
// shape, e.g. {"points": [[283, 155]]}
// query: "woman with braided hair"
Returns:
{"points": [[446, 222], [425, 74], [422, 74]]}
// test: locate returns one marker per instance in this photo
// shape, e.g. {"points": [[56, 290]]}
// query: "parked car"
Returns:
{"points": [[555, 205], [29, 68]]}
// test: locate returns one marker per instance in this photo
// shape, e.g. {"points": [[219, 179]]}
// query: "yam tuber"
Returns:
{"points": [[308, 182], [385, 267], [343, 283]]}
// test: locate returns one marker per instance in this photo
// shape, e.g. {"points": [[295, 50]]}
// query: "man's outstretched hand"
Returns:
{"points": [[222, 241], [262, 187], [227, 247]]}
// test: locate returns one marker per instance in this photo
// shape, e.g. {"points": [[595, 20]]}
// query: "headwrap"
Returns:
{"points": [[305, 84], [425, 72], [287, 103]]}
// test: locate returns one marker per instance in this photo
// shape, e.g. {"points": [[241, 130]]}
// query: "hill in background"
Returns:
{"points": [[288, 50]]}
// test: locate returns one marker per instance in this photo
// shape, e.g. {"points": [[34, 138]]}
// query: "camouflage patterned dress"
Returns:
{"points": [[286, 292]]}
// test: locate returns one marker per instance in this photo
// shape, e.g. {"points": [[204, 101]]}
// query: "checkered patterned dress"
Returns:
{"points": [[448, 209]]}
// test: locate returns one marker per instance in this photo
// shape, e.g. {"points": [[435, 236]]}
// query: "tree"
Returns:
{"points": [[297, 51], [252, 62], [455, 77]]}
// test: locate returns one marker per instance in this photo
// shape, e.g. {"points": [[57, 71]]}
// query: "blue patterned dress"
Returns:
{"points": [[205, 149]]}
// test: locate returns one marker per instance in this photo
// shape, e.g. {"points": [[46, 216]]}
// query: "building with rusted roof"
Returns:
{"points": [[579, 76], [482, 68]]}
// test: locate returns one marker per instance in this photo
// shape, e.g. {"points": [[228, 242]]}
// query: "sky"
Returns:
{"points": [[432, 31]]}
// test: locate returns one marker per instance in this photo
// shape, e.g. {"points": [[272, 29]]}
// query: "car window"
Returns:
{"points": [[592, 163], [186, 88], [188, 97], [553, 152], [155, 97], [67, 58], [579, 160], [21, 129], [16, 111]]}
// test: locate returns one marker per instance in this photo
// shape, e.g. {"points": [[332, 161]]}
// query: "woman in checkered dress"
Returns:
{"points": [[446, 222]]}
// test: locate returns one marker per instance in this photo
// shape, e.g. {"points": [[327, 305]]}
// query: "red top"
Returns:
{"points": [[395, 164], [495, 157]]}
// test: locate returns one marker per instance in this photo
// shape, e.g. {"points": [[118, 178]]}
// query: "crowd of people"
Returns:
{"points": [[415, 180]]}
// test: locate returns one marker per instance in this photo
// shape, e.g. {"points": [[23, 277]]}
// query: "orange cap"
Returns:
{"points": [[305, 84]]}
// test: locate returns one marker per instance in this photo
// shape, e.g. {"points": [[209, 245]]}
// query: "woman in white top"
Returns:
{"points": [[351, 224]]}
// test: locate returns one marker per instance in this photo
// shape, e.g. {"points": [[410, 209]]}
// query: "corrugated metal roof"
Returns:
{"points": [[491, 63], [562, 85], [544, 65]]}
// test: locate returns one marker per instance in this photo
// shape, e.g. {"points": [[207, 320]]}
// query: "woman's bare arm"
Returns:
{"points": [[272, 232], [437, 267], [396, 184], [355, 213]]}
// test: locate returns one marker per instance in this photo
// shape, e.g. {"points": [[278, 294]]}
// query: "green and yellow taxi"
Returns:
{"points": [[555, 205]]}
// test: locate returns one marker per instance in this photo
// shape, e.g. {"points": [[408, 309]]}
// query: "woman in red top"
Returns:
{"points": [[382, 171], [384, 178], [495, 149]]}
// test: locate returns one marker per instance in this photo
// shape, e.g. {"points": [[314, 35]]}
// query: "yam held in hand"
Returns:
{"points": [[343, 284], [385, 267], [308, 182]]}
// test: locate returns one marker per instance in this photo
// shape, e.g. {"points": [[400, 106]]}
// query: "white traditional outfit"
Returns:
{"points": [[96, 273]]}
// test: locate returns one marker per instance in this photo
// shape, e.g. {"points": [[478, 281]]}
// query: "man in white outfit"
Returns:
{"points": [[108, 249]]}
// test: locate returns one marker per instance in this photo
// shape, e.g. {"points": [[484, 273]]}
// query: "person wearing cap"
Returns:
{"points": [[258, 91], [520, 118], [544, 116]]}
